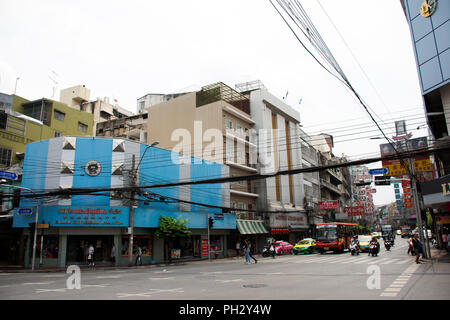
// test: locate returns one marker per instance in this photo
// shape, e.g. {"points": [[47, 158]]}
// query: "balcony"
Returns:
{"points": [[330, 186]]}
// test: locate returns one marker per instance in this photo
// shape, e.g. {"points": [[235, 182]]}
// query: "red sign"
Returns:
{"points": [[406, 183], [354, 211], [204, 247], [332, 204]]}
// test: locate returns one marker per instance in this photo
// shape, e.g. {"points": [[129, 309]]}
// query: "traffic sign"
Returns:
{"points": [[378, 171], [24, 211], [8, 175]]}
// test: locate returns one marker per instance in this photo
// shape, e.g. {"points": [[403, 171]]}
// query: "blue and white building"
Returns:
{"points": [[68, 225]]}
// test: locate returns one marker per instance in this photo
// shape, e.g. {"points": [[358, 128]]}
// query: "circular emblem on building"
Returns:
{"points": [[427, 8], [92, 168]]}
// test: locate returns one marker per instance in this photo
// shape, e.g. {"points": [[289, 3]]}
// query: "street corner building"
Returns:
{"points": [[69, 224]]}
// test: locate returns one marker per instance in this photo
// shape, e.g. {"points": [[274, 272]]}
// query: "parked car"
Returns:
{"points": [[307, 245], [283, 247], [364, 243]]}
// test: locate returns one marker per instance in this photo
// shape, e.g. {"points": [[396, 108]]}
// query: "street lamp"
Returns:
{"points": [[15, 87], [33, 259], [133, 183]]}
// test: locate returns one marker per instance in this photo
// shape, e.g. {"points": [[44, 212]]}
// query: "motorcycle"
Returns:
{"points": [[354, 248], [373, 249], [387, 245], [266, 252]]}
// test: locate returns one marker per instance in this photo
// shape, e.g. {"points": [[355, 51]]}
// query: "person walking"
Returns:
{"points": [[238, 248], [247, 253], [411, 246], [444, 241], [272, 248], [113, 254], [250, 246], [91, 255], [138, 256], [417, 247]]}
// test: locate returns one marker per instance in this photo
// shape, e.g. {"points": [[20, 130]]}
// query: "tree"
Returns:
{"points": [[170, 229]]}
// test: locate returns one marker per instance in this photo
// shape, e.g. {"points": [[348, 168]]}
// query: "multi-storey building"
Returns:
{"points": [[213, 124], [429, 23], [133, 128], [279, 149], [76, 221], [78, 97], [22, 122]]}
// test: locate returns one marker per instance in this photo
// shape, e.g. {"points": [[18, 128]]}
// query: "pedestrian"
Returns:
{"points": [[247, 254], [91, 255], [272, 248], [250, 246], [411, 246], [238, 248], [113, 254], [448, 241], [417, 247], [138, 256]]}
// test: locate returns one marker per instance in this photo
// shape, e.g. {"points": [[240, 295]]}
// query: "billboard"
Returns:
{"points": [[331, 204]]}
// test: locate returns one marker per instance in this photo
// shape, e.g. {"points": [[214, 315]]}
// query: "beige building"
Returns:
{"points": [[211, 124], [77, 97]]}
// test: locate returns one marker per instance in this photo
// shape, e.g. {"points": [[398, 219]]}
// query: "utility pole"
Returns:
{"points": [[131, 224]]}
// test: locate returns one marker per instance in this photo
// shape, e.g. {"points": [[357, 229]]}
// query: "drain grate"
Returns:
{"points": [[256, 285]]}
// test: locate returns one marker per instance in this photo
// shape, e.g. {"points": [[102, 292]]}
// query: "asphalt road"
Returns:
{"points": [[391, 275]]}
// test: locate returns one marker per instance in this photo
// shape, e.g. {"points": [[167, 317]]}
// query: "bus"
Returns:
{"points": [[334, 236]]}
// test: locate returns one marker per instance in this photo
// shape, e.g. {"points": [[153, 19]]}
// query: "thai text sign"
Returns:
{"points": [[354, 211], [90, 217], [331, 204]]}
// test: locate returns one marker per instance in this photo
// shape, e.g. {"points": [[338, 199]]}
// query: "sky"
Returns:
{"points": [[126, 49]]}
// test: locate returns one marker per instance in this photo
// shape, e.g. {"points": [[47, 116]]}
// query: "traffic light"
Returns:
{"points": [[211, 222]]}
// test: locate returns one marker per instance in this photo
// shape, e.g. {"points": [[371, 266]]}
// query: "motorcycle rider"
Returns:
{"points": [[355, 242], [375, 242]]}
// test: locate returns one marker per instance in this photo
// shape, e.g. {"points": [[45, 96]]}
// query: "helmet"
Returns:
{"points": [[355, 237]]}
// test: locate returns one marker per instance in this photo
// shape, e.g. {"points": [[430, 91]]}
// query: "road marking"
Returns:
{"points": [[94, 285], [50, 290], [168, 278], [5, 286], [378, 261], [150, 293], [364, 260], [404, 261], [390, 261], [392, 289], [389, 294], [108, 277], [396, 285], [226, 281], [34, 283]]}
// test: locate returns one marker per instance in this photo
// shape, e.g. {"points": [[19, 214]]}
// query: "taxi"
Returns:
{"points": [[307, 245], [364, 243]]}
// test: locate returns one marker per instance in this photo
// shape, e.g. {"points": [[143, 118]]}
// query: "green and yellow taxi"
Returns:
{"points": [[307, 245], [364, 243]]}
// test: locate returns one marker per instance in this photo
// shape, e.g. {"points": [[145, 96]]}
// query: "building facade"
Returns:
{"points": [[77, 97], [69, 224]]}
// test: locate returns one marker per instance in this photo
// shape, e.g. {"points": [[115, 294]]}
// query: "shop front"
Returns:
{"points": [[291, 227], [253, 231]]}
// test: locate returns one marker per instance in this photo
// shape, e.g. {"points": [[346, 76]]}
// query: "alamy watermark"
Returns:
{"points": [[74, 280]]}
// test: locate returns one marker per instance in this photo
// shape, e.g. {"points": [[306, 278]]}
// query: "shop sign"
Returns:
{"points": [[332, 204], [286, 220], [90, 217], [442, 219], [354, 211], [204, 247], [446, 189]]}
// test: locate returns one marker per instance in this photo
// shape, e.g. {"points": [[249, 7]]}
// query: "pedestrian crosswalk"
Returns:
{"points": [[340, 259]]}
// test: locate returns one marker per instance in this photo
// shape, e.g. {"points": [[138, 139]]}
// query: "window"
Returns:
{"points": [[3, 120], [228, 124], [233, 206], [49, 246], [59, 115], [82, 127], [5, 156], [57, 134], [239, 129]]}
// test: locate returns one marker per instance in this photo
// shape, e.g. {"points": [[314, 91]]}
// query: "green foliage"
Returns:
{"points": [[171, 228]]}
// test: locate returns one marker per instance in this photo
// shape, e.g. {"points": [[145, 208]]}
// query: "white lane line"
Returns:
{"points": [[36, 283], [404, 261], [392, 289], [94, 285], [226, 281], [388, 294], [168, 278], [376, 261], [49, 290], [396, 285], [390, 261], [150, 293], [363, 260], [108, 277]]}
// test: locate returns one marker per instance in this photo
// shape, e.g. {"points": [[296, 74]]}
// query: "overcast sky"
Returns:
{"points": [[126, 49]]}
